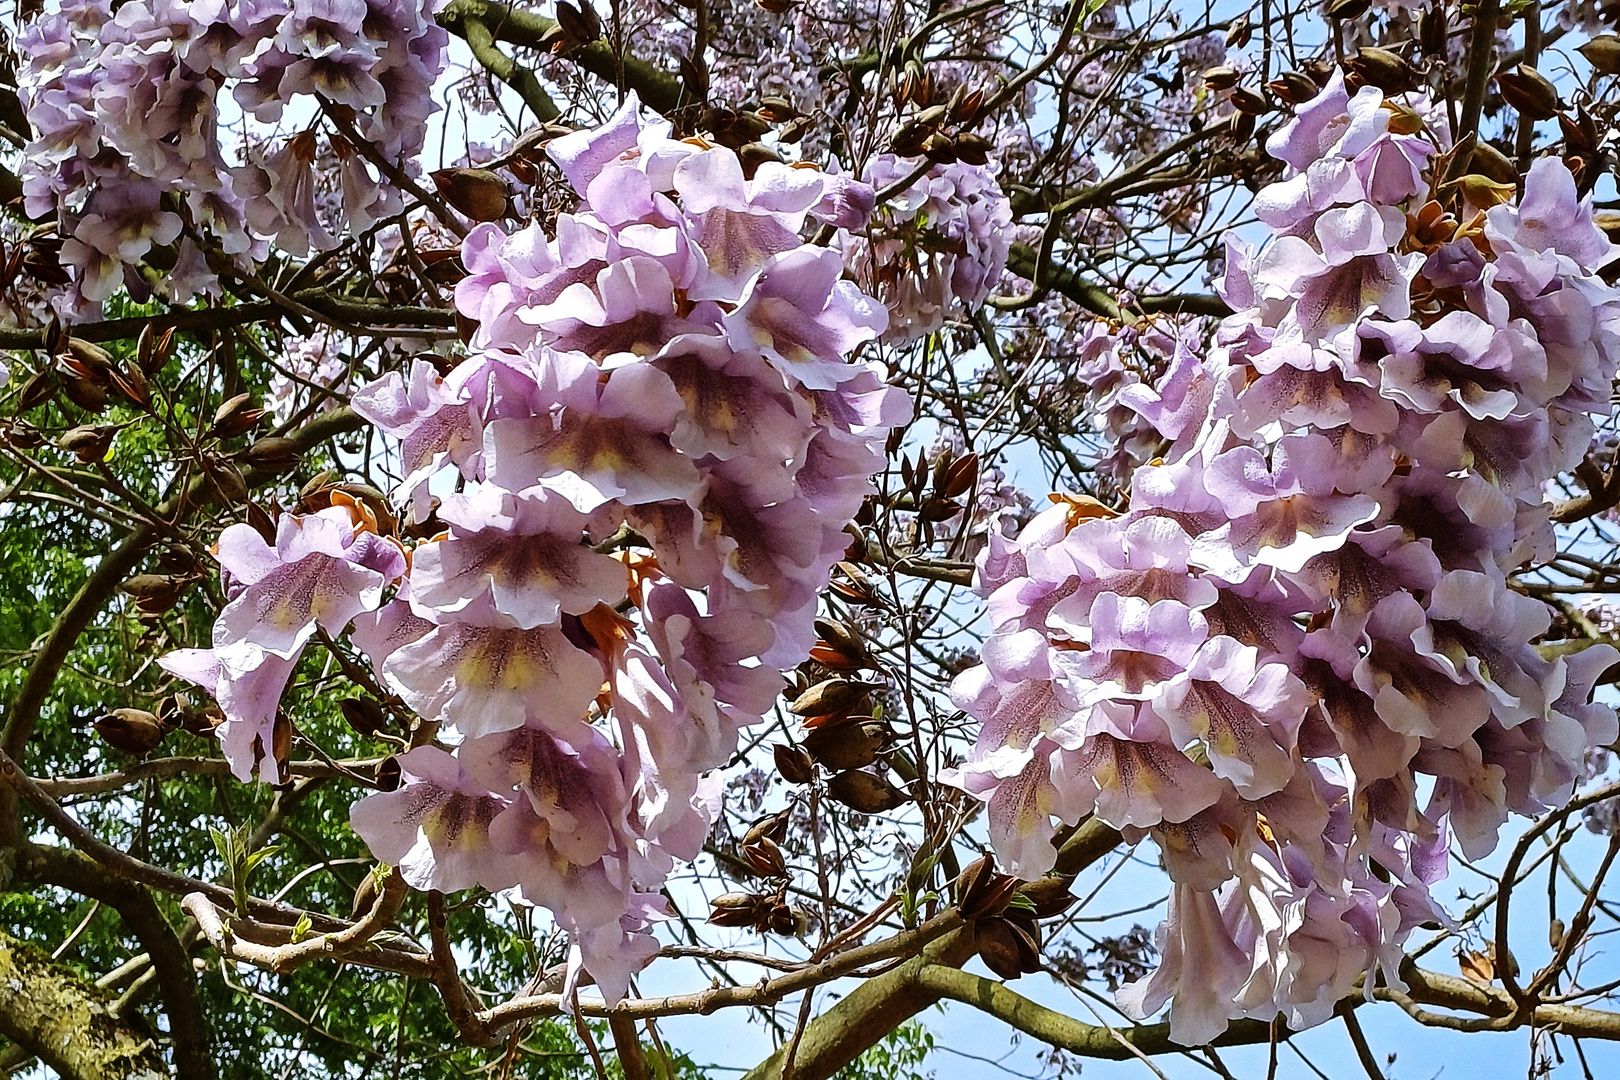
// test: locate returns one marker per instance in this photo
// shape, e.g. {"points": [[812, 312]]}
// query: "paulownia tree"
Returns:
{"points": [[524, 527]]}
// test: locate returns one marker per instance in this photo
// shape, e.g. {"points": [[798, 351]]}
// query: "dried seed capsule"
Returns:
{"points": [[1529, 92], [235, 416], [134, 731], [830, 696], [867, 793], [1293, 87], [1386, 70], [88, 442], [850, 745], [793, 764], [273, 454], [1603, 53], [479, 193], [1220, 77]]}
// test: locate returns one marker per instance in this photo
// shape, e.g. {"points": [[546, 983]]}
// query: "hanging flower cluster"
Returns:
{"points": [[660, 439], [126, 109], [1304, 619], [935, 250]]}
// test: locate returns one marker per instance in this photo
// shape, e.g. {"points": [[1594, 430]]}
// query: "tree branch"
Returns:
{"points": [[1024, 260], [177, 982], [658, 89], [67, 1023]]}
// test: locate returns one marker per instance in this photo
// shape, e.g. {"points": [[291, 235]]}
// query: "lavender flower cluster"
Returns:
{"points": [[659, 438], [126, 107], [935, 250], [1304, 618]]}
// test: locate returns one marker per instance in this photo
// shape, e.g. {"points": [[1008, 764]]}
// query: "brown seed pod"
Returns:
{"points": [[1221, 77], [364, 714], [88, 442], [228, 482], [1388, 71], [235, 416], [156, 593], [770, 827], [1530, 93], [736, 909], [1293, 87], [580, 23], [964, 107], [830, 696], [1346, 9], [753, 155], [365, 895], [957, 478], [908, 139], [795, 130], [273, 454], [87, 395], [1050, 896], [1250, 102], [853, 744], [793, 764], [480, 194], [854, 586], [131, 382], [388, 773], [203, 722], [865, 792], [36, 391], [1603, 53], [1002, 948], [1487, 160], [939, 147], [973, 148], [134, 731], [764, 857], [983, 893], [841, 636], [152, 349], [281, 736], [263, 520], [1580, 131], [778, 110], [787, 920], [1432, 31], [24, 436]]}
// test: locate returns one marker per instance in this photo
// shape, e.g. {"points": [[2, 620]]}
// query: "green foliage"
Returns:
{"points": [[899, 1056]]}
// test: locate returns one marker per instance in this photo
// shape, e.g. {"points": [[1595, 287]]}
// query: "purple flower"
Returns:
{"points": [[435, 827]]}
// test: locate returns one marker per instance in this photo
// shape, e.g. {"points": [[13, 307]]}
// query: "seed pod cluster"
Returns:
{"points": [[1005, 914], [940, 130], [761, 845], [764, 913]]}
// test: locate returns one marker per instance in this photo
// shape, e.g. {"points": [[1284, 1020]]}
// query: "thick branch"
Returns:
{"points": [[1065, 1032], [67, 1023], [520, 78], [177, 983], [657, 88], [765, 992], [344, 944], [870, 1011], [879, 1005]]}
